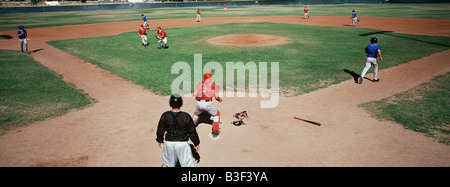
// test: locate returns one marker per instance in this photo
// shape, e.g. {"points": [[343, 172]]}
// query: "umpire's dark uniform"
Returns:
{"points": [[176, 128]]}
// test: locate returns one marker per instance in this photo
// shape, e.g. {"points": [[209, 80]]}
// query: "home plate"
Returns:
{"points": [[216, 138]]}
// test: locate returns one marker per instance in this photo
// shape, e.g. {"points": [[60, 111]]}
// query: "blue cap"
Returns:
{"points": [[21, 27], [353, 10]]}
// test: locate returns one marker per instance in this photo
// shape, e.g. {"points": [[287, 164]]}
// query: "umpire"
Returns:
{"points": [[177, 127]]}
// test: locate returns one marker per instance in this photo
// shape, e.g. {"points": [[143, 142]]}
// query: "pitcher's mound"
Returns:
{"points": [[249, 40]]}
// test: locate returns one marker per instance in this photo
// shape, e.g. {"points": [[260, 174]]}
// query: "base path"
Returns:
{"points": [[119, 130]]}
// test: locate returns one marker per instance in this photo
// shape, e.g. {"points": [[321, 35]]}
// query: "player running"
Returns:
{"points": [[142, 33], [373, 51], [203, 93], [145, 22]]}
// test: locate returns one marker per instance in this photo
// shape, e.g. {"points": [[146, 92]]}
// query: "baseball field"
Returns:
{"points": [[90, 94]]}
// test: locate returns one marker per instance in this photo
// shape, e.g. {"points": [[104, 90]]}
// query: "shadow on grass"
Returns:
{"points": [[390, 33]]}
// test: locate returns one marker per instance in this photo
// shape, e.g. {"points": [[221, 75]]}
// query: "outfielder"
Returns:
{"points": [[142, 33], [203, 93], [145, 21], [175, 128], [22, 34], [162, 37], [198, 19], [372, 50]]}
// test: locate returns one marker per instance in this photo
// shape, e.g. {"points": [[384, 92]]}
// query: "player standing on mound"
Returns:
{"points": [[177, 128], [372, 50], [354, 18], [198, 19], [22, 34], [203, 93], [162, 37], [306, 13], [142, 34], [145, 22]]}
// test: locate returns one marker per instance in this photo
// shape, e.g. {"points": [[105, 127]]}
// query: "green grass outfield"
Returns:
{"points": [[430, 114], [315, 59], [31, 92], [48, 19]]}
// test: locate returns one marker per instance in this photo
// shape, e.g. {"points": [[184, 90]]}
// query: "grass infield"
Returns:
{"points": [[316, 58], [424, 109], [31, 92]]}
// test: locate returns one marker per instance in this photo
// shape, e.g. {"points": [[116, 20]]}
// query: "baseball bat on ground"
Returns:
{"points": [[312, 122]]}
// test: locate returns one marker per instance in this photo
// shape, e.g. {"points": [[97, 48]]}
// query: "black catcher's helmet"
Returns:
{"points": [[176, 101]]}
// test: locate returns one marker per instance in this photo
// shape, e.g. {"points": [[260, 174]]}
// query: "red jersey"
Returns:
{"points": [[224, 6], [142, 31], [198, 11], [161, 33], [206, 90], [306, 10]]}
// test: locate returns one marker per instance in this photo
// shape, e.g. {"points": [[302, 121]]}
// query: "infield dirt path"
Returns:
{"points": [[119, 130]]}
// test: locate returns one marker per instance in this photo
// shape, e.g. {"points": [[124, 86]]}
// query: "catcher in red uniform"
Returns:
{"points": [[204, 93]]}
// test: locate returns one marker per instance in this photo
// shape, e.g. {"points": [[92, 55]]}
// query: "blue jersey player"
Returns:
{"points": [[22, 34], [354, 18], [373, 51], [145, 22]]}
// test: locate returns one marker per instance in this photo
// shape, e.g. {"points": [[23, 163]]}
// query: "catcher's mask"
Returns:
{"points": [[176, 101]]}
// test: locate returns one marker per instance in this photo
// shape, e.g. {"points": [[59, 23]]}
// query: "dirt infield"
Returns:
{"points": [[119, 130], [248, 40]]}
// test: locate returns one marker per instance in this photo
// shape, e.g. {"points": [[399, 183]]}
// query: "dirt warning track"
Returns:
{"points": [[119, 130]]}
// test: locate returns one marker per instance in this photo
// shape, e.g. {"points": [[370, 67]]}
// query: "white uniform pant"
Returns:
{"points": [[369, 62], [164, 40], [198, 18], [354, 21], [23, 41], [177, 151], [207, 106], [144, 39]]}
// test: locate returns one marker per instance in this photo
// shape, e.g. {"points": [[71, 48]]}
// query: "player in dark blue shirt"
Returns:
{"points": [[22, 34], [354, 18], [373, 51], [145, 22]]}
